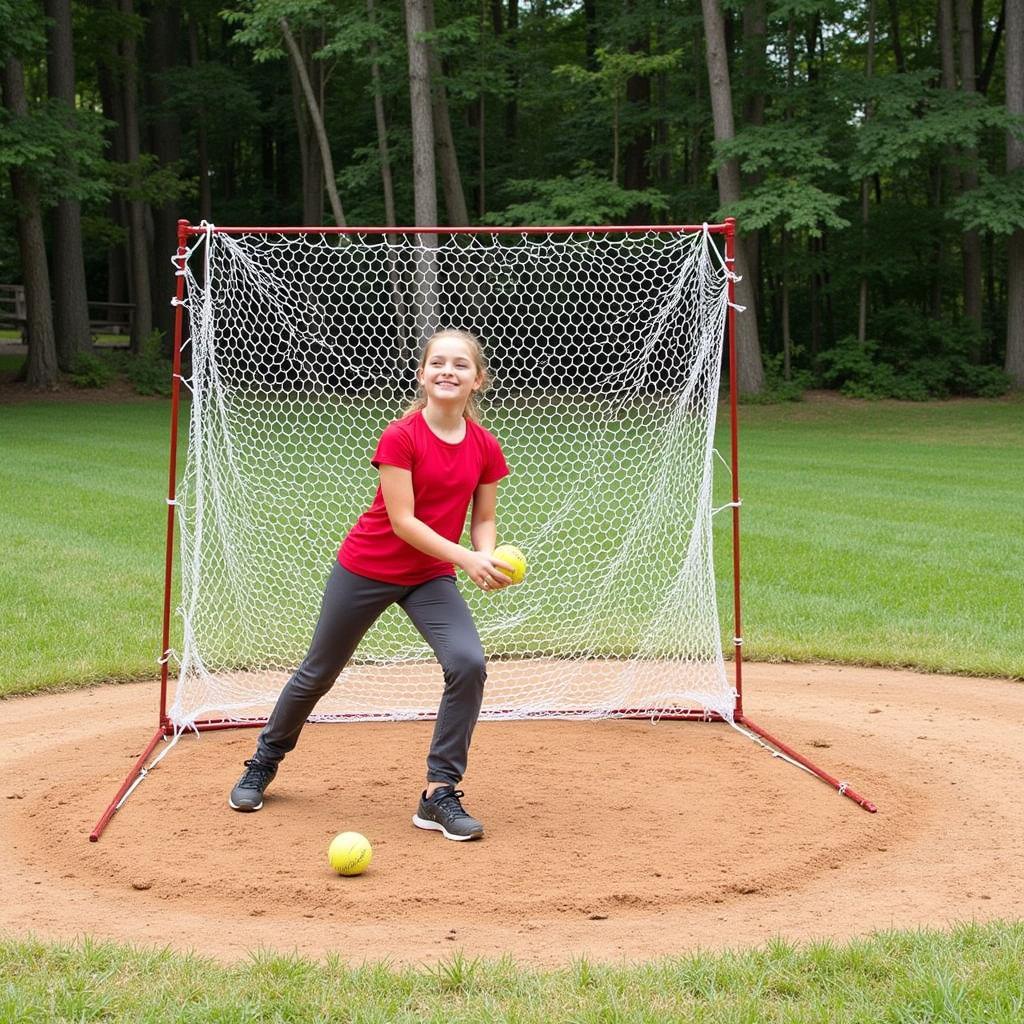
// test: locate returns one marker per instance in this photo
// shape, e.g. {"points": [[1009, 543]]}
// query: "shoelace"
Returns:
{"points": [[452, 803], [255, 775]]}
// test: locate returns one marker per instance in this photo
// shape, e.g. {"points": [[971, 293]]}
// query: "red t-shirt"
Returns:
{"points": [[444, 478]]}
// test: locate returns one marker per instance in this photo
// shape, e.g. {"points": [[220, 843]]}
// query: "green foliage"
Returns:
{"points": [[792, 203], [63, 150], [996, 205], [785, 147], [152, 182], [793, 164], [260, 23], [149, 373], [222, 93], [585, 198], [22, 29], [911, 119], [929, 361], [615, 68], [91, 371], [776, 388]]}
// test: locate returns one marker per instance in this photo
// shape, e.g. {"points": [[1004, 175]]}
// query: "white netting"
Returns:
{"points": [[605, 349]]}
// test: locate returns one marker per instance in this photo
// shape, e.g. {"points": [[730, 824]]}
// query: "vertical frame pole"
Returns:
{"points": [[183, 226], [138, 772], [730, 263]]}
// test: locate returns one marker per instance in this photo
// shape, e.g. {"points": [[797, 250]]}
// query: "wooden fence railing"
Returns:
{"points": [[104, 317]]}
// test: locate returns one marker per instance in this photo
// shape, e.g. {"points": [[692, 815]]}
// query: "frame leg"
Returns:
{"points": [[131, 780], [842, 788]]}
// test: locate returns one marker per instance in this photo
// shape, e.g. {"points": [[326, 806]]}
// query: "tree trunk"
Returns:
{"points": [[1014, 162], [42, 349], [865, 206], [971, 239], [755, 29], [750, 370], [637, 153], [382, 128], [894, 35], [663, 162], [142, 321], [71, 312], [316, 116], [695, 153], [512, 106], [311, 171], [202, 145], [162, 37], [113, 107], [990, 61], [590, 35], [447, 157], [423, 168]]}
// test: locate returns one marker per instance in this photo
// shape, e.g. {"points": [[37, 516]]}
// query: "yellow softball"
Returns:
{"points": [[514, 557], [350, 853]]}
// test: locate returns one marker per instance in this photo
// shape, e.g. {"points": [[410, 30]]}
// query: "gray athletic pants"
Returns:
{"points": [[350, 607]]}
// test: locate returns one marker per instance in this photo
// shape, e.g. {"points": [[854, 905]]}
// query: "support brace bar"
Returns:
{"points": [[841, 787]]}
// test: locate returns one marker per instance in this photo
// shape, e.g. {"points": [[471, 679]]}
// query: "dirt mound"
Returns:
{"points": [[618, 840]]}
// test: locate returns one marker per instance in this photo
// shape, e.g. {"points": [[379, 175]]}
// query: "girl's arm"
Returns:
{"points": [[396, 487], [483, 526]]}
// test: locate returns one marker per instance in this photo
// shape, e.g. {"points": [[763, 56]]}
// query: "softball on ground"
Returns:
{"points": [[350, 853], [514, 557]]}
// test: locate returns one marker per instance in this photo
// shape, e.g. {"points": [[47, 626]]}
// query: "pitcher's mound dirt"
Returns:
{"points": [[617, 840]]}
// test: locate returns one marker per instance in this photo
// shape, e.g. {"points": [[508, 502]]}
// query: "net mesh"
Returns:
{"points": [[605, 352]]}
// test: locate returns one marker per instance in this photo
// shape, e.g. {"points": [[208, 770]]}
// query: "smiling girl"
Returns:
{"points": [[433, 462]]}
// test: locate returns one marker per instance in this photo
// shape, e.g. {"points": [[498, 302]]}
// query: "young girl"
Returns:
{"points": [[432, 462]]}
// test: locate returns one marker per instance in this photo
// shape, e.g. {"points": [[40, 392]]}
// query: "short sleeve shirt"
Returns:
{"points": [[444, 479]]}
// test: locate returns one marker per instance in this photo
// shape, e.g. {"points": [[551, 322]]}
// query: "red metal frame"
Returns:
{"points": [[560, 229], [728, 228]]}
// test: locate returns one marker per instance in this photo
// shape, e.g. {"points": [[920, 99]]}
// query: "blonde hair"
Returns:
{"points": [[476, 353]]}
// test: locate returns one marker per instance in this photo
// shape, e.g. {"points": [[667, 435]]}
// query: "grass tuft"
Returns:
{"points": [[972, 974]]}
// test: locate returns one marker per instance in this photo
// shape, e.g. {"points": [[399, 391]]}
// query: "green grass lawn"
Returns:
{"points": [[883, 533], [971, 975]]}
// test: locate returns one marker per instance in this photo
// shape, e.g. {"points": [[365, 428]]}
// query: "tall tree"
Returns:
{"points": [[755, 44], [971, 238], [382, 128], [865, 193], [163, 34], [637, 153], [447, 157], [71, 304], [202, 132], [423, 166], [315, 108], [138, 242], [750, 371], [42, 350], [1015, 165]]}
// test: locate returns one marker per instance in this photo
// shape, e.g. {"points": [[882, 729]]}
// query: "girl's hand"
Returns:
{"points": [[485, 571]]}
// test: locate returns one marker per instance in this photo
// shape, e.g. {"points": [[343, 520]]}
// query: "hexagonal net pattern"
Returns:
{"points": [[605, 352]]}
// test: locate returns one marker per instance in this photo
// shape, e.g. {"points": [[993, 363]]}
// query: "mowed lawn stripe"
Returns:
{"points": [[874, 533]]}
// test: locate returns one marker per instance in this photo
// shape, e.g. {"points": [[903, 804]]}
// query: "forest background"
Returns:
{"points": [[873, 153]]}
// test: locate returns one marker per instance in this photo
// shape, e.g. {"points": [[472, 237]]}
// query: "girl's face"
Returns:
{"points": [[449, 375]]}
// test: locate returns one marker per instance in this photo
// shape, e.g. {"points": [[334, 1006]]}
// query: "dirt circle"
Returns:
{"points": [[615, 840]]}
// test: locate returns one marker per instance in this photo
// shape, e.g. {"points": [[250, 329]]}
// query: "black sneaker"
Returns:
{"points": [[444, 813], [248, 792]]}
